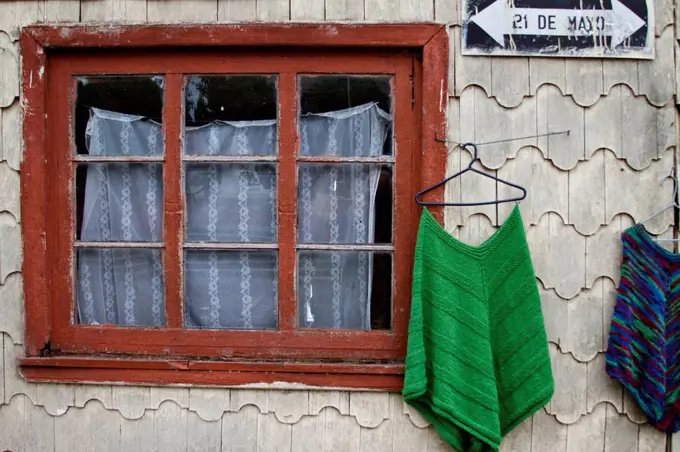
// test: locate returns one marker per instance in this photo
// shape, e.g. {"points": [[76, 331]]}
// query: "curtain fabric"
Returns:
{"points": [[230, 203]]}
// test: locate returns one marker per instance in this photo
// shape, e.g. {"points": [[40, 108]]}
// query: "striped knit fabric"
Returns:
{"points": [[643, 353], [478, 362]]}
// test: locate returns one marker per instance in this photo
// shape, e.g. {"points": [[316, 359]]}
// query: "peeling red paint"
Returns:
{"points": [[420, 160], [173, 218], [413, 35], [33, 199]]}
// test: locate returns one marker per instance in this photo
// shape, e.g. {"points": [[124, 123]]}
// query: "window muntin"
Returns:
{"points": [[231, 202], [345, 203], [119, 200], [339, 204], [58, 350], [288, 339], [235, 202]]}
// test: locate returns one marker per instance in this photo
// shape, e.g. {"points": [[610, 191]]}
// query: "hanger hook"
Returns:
{"points": [[674, 177], [474, 151]]}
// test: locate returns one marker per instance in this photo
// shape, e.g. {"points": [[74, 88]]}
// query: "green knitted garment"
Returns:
{"points": [[478, 362]]}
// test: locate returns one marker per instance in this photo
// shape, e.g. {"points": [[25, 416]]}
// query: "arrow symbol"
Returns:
{"points": [[498, 20]]}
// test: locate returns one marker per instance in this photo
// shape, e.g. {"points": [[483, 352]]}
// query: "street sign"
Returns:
{"points": [[562, 28]]}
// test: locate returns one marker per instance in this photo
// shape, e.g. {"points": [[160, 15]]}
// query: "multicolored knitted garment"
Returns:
{"points": [[643, 353], [478, 362]]}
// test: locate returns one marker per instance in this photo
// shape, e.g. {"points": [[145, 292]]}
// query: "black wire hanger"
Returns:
{"points": [[674, 205], [470, 168]]}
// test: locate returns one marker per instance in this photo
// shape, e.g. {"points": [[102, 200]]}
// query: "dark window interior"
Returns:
{"points": [[230, 98]]}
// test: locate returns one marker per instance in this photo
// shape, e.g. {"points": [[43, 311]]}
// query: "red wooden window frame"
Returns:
{"points": [[59, 351]]}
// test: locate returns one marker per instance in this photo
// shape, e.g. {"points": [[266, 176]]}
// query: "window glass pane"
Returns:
{"points": [[119, 202], [345, 115], [344, 289], [344, 203], [120, 286], [231, 115], [231, 289], [231, 202], [119, 115]]}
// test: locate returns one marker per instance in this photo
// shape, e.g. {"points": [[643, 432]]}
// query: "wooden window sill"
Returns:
{"points": [[80, 369]]}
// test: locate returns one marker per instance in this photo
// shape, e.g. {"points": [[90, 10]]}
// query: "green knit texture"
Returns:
{"points": [[478, 362]]}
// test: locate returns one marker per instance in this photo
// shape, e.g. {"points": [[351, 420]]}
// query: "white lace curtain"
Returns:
{"points": [[230, 203]]}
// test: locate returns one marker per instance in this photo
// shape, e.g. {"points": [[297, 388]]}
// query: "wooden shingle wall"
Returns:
{"points": [[584, 188]]}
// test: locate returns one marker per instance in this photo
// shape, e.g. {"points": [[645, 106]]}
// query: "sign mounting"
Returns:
{"points": [[579, 28]]}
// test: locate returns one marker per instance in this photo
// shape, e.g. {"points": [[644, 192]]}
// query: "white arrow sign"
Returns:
{"points": [[498, 20]]}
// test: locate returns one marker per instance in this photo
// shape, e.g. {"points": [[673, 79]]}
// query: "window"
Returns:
{"points": [[204, 213]]}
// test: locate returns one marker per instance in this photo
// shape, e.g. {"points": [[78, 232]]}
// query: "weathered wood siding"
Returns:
{"points": [[584, 189]]}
